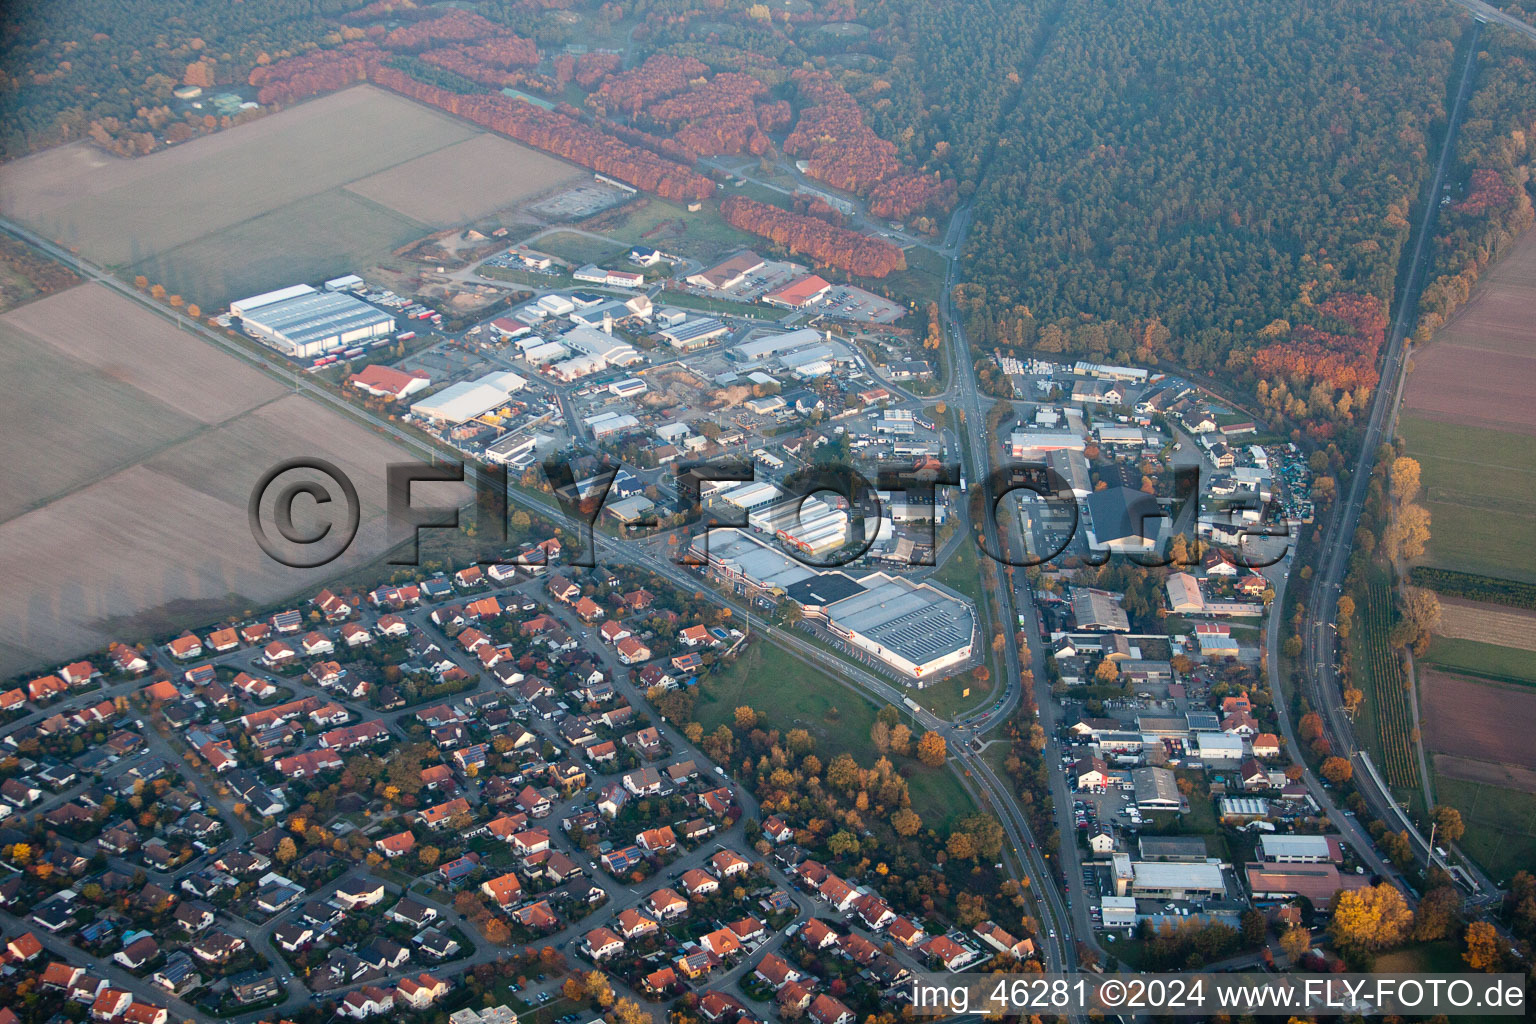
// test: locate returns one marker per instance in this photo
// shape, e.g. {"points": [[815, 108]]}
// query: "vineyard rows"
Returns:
{"points": [[1389, 683]]}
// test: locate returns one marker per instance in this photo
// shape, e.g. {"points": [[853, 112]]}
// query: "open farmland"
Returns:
{"points": [[1468, 419], [320, 189], [462, 182], [130, 518], [310, 239], [1500, 819], [1505, 664], [1481, 367], [1478, 489], [1487, 623], [1483, 721]]}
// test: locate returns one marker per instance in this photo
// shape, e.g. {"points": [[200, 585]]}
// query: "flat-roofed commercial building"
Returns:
{"points": [[303, 323], [694, 333], [1173, 849], [749, 564], [1298, 849], [1037, 444], [778, 344], [1165, 880], [913, 627]]}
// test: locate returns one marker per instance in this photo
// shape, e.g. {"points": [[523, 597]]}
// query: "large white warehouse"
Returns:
{"points": [[470, 398], [304, 323]]}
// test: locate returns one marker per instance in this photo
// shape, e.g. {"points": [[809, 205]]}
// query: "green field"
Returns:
{"points": [[1501, 824], [1490, 661], [793, 695], [577, 249], [1478, 487], [1427, 958], [922, 280], [702, 235]]}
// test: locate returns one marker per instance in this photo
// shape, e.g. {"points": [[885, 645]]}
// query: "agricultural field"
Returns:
{"points": [[1501, 823], [130, 517], [1490, 661], [1378, 671], [1480, 368], [1478, 488], [323, 188], [463, 182], [1487, 623], [1478, 719], [1487, 640], [1468, 419]]}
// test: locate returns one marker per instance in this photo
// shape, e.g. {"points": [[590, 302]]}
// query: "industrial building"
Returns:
{"points": [[779, 344], [913, 627], [749, 497], [748, 564], [512, 448], [1071, 469], [303, 323], [1099, 611], [1156, 789], [612, 351], [1317, 882], [1177, 881], [1173, 849], [727, 274], [811, 526], [799, 293], [468, 399], [1103, 371], [609, 424], [1122, 519], [1299, 849], [1117, 912], [1184, 596], [387, 382], [1037, 444], [694, 333]]}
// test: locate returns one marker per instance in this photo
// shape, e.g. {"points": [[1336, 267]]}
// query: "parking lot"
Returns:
{"points": [[847, 303]]}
